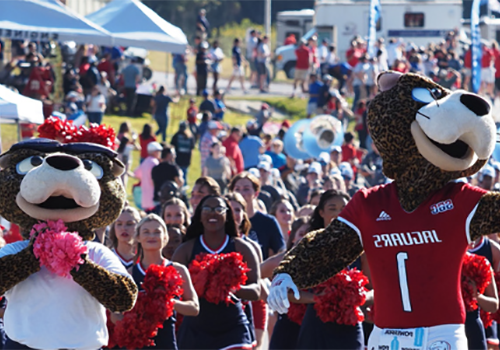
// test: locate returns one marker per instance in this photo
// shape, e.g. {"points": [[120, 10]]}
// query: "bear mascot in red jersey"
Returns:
{"points": [[415, 230]]}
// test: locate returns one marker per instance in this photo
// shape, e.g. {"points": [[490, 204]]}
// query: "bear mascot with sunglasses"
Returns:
{"points": [[58, 194], [414, 231]]}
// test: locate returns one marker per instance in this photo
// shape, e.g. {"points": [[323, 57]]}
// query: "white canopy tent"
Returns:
{"points": [[45, 20], [16, 107], [131, 23]]}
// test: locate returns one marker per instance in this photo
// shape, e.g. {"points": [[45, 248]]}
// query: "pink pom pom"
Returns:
{"points": [[59, 251]]}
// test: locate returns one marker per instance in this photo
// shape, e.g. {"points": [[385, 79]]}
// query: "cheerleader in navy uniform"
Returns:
{"points": [[286, 332], [151, 236], [477, 337], [121, 235], [218, 326], [314, 333]]}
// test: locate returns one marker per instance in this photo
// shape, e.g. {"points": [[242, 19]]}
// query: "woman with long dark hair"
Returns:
{"points": [[218, 326]]}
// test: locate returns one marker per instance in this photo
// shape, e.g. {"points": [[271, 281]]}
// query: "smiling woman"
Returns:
{"points": [[213, 231]]}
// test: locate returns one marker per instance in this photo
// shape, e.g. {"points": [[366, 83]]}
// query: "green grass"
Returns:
{"points": [[177, 114]]}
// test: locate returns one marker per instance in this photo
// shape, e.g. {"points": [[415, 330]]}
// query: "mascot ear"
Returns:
{"points": [[117, 170], [4, 160], [387, 80]]}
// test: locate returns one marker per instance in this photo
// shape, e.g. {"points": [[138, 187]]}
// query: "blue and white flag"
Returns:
{"points": [[476, 50], [374, 16]]}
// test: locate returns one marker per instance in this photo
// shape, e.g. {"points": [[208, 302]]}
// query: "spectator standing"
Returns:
{"points": [[238, 71], [203, 127], [276, 153], [184, 142], [179, 63], [106, 65], [202, 62], [263, 56], [208, 139], [192, 114], [487, 71], [302, 66], [252, 43], [313, 46], [353, 54], [145, 138], [131, 77], [394, 51], [233, 151], [323, 55], [220, 107], [314, 92], [217, 165], [371, 76], [262, 117], [467, 69], [160, 105], [95, 106], [324, 92], [202, 24], [143, 173], [381, 55], [89, 76], [250, 147], [207, 105], [167, 170], [216, 57], [360, 73], [128, 142]]}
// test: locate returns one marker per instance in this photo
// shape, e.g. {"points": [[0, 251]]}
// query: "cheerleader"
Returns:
{"points": [[285, 332], [121, 234], [477, 337], [256, 311], [151, 236], [218, 326], [175, 212], [315, 334]]}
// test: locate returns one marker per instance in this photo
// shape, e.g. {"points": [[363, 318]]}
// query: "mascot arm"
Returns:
{"points": [[16, 268], [321, 254], [114, 291], [486, 219]]}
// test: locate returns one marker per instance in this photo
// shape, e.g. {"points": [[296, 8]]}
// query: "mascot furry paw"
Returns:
{"points": [[414, 231], [77, 183]]}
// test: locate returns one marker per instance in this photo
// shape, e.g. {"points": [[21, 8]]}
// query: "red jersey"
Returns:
{"points": [[191, 114], [303, 57], [144, 145], [468, 59], [415, 258], [486, 58]]}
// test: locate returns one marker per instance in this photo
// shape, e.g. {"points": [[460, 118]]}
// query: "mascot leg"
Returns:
{"points": [[444, 337]]}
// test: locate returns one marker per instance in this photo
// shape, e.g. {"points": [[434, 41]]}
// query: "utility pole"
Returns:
{"points": [[267, 18]]}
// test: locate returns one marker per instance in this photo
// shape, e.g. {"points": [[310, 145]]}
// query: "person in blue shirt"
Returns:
{"points": [[324, 92], [250, 146], [207, 105], [131, 77], [220, 107], [314, 92], [160, 111], [276, 154]]}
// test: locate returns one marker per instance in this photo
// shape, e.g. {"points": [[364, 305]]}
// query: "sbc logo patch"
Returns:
{"points": [[441, 207]]}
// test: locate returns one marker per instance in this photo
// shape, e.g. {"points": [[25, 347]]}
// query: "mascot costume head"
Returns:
{"points": [[414, 231], [77, 185]]}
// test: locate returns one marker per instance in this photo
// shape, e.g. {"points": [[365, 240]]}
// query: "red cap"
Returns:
{"points": [[285, 124], [265, 106]]}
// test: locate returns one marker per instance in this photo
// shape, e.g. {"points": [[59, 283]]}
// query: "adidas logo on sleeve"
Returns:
{"points": [[383, 216]]}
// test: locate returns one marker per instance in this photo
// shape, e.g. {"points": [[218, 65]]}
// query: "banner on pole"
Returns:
{"points": [[374, 16]]}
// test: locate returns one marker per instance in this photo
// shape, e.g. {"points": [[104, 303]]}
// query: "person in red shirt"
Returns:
{"points": [[302, 66], [290, 40], [353, 54], [233, 151], [487, 71], [467, 69], [105, 65], [145, 138]]}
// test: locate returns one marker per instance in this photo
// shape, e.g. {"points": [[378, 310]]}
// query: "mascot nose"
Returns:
{"points": [[63, 162], [476, 104]]}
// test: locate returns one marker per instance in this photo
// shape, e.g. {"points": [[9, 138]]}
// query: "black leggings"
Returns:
{"points": [[12, 345]]}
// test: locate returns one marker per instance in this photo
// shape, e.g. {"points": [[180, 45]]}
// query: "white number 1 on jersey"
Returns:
{"points": [[403, 282]]}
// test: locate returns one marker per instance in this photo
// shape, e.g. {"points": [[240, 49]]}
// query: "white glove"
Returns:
{"points": [[278, 293]]}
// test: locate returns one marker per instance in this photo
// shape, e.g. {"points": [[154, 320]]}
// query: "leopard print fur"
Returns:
{"points": [[110, 289], [113, 196], [331, 250]]}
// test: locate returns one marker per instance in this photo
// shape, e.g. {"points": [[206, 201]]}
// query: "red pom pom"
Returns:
{"points": [[475, 269], [65, 132], [296, 312], [215, 276], [486, 317], [339, 299], [154, 305]]}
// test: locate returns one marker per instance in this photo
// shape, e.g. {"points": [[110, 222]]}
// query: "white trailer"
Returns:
{"points": [[416, 21], [293, 22]]}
